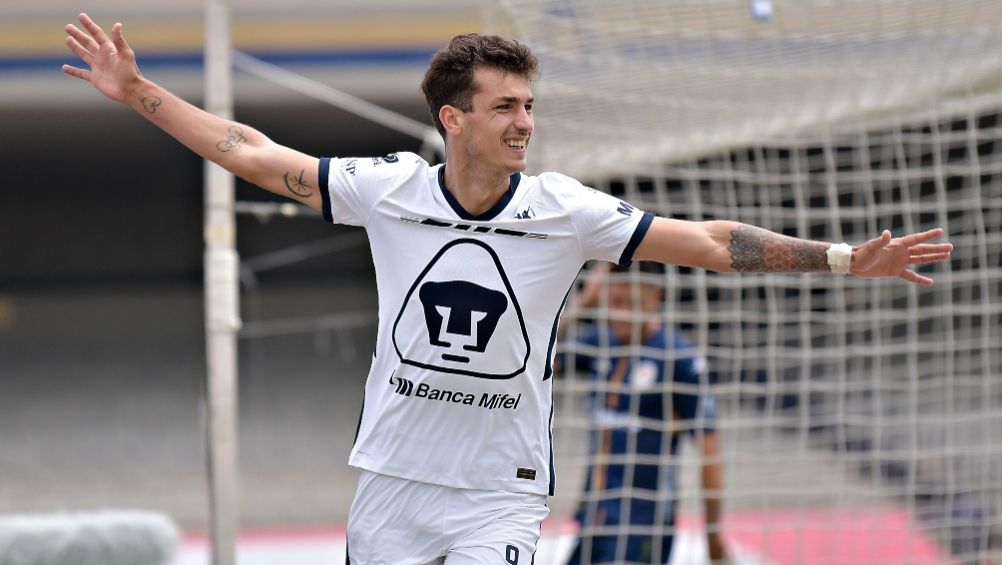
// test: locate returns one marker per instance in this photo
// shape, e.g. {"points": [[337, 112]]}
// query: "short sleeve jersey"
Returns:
{"points": [[459, 390]]}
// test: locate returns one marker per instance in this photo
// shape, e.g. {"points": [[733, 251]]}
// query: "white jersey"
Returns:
{"points": [[459, 392]]}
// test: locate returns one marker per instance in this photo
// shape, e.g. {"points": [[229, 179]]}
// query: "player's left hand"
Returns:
{"points": [[884, 256]]}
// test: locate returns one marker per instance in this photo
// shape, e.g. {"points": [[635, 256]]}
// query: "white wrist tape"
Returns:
{"points": [[840, 257]]}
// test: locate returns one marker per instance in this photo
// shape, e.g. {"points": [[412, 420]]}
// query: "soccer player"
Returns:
{"points": [[473, 259], [651, 398]]}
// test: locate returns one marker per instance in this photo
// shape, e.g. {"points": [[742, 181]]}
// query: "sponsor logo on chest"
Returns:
{"points": [[486, 400]]}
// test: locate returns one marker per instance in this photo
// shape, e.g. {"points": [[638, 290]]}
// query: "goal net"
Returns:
{"points": [[860, 420]]}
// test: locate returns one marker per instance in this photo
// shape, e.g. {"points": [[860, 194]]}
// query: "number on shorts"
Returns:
{"points": [[511, 554]]}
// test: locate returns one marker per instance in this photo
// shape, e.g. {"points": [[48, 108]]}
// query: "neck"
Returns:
{"points": [[476, 190]]}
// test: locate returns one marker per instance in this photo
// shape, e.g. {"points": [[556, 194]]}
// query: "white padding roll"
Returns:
{"points": [[222, 283], [93, 538], [840, 258]]}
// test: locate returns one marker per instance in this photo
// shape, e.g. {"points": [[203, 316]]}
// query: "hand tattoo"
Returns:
{"points": [[297, 186], [233, 141], [757, 250], [151, 103]]}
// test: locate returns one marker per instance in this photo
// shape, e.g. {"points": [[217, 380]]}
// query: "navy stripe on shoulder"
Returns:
{"points": [[548, 370], [638, 235], [323, 176]]}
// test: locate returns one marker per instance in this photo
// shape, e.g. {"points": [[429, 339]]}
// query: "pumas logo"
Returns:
{"points": [[461, 308], [455, 311]]}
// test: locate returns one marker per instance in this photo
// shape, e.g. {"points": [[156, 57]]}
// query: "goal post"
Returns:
{"points": [[840, 400], [222, 304]]}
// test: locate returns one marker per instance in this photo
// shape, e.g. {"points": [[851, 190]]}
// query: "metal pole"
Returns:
{"points": [[222, 302]]}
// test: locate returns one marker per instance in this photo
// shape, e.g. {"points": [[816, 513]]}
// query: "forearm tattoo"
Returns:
{"points": [[297, 185], [150, 103], [234, 139], [757, 250]]}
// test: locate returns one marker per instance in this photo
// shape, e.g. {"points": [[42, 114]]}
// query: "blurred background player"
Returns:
{"points": [[652, 398]]}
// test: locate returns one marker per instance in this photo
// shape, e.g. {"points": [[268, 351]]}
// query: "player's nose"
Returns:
{"points": [[523, 121]]}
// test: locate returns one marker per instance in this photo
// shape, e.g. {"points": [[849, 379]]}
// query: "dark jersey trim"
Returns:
{"points": [[488, 215], [548, 370], [358, 426], [638, 236], [323, 175], [547, 373], [553, 473]]}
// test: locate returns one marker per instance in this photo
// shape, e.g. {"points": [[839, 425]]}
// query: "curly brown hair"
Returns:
{"points": [[449, 78]]}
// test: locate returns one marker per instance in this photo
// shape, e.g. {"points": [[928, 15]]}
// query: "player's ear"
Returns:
{"points": [[451, 118]]}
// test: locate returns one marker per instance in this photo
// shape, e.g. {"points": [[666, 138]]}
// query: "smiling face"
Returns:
{"points": [[495, 132]]}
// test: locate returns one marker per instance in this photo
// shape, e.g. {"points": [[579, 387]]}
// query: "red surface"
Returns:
{"points": [[832, 536], [811, 536]]}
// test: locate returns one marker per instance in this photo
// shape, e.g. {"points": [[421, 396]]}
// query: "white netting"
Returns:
{"points": [[640, 81], [845, 404]]}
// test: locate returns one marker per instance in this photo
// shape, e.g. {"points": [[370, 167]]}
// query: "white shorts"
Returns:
{"points": [[395, 521]]}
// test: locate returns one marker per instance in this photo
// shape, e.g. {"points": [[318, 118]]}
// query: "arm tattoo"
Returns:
{"points": [[297, 185], [234, 139], [757, 250], [150, 103]]}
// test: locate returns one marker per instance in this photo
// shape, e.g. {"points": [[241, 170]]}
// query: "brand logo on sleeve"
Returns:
{"points": [[391, 158], [625, 209]]}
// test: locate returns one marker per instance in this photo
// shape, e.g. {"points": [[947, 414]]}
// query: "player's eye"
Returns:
{"points": [[528, 108]]}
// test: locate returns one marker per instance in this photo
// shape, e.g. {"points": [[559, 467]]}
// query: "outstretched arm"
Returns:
{"points": [[729, 247], [238, 148]]}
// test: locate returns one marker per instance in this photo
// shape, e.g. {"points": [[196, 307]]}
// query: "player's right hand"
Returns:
{"points": [[112, 62]]}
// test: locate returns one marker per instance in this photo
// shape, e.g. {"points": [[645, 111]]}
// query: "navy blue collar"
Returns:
{"points": [[489, 214]]}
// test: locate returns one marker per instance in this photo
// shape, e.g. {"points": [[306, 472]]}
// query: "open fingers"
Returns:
{"points": [[95, 30], [921, 237], [82, 38], [925, 248], [928, 258], [118, 38], [912, 276], [876, 243], [85, 55], [76, 72]]}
